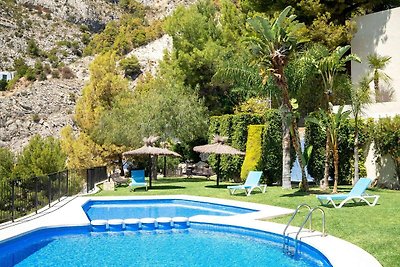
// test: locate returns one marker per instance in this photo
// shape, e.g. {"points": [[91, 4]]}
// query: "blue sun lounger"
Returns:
{"points": [[252, 182], [138, 179], [357, 194]]}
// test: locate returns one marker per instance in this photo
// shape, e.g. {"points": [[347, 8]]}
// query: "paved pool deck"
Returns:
{"points": [[69, 212]]}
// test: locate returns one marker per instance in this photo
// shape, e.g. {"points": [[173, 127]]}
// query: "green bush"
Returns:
{"points": [[32, 48], [271, 160], [235, 128], [20, 67], [130, 66], [316, 137], [41, 156], [6, 163], [3, 85], [252, 159], [386, 136]]}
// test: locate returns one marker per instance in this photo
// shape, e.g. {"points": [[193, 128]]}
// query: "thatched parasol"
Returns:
{"points": [[151, 150], [219, 148]]}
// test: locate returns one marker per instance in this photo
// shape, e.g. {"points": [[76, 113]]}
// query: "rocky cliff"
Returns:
{"points": [[45, 107]]}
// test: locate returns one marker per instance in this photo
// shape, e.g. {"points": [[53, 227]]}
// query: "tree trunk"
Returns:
{"points": [[376, 87], [336, 164], [297, 147], [325, 181], [154, 167], [286, 181], [356, 157], [278, 63]]}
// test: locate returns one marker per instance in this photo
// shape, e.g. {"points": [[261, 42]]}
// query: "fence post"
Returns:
{"points": [[49, 184], [67, 183], [59, 186], [12, 199], [87, 180], [36, 193]]}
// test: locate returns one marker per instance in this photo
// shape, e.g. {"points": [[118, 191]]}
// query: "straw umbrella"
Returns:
{"points": [[152, 151], [219, 148]]}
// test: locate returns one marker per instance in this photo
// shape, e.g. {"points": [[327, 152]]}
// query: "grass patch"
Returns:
{"points": [[375, 229]]}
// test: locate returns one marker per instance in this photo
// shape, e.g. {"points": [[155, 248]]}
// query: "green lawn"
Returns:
{"points": [[375, 229]]}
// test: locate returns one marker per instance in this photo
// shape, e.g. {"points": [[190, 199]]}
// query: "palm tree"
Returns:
{"points": [[271, 46], [360, 97], [328, 66], [332, 123], [378, 63]]}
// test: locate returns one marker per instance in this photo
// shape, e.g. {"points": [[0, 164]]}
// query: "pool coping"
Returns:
{"points": [[69, 212]]}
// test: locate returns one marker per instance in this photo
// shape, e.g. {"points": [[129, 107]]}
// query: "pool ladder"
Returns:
{"points": [[308, 218]]}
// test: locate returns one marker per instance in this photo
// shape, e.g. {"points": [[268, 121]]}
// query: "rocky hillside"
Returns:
{"points": [[45, 107], [59, 29], [28, 111]]}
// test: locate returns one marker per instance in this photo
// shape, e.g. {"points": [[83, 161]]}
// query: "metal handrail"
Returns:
{"points": [[309, 216], [294, 215]]}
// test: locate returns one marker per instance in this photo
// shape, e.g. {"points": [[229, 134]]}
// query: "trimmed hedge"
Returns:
{"points": [[316, 137], [252, 159], [271, 160], [235, 128]]}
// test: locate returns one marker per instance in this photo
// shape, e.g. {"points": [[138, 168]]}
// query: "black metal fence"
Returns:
{"points": [[19, 197]]}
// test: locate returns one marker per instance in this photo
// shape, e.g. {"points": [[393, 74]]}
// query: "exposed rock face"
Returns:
{"points": [[55, 26], [149, 55], [43, 108], [163, 8], [94, 13]]}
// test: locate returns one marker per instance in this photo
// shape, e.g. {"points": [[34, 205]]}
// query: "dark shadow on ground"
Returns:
{"points": [[167, 180], [166, 187], [296, 194], [216, 186], [348, 205]]}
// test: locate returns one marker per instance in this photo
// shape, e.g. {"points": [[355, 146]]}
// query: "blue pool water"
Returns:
{"points": [[200, 245], [123, 209]]}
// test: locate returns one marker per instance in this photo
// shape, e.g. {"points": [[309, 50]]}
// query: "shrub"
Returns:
{"points": [[30, 74], [20, 67], [41, 156], [253, 150], [3, 85], [271, 160], [386, 135], [55, 74], [35, 118], [6, 163], [235, 128], [32, 48], [130, 66], [66, 73]]}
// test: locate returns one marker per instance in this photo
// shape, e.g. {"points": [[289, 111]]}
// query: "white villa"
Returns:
{"points": [[7, 75]]}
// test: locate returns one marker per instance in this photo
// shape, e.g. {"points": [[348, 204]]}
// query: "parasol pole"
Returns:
{"points": [[218, 170], [151, 170]]}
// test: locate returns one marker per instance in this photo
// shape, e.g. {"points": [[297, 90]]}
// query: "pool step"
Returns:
{"points": [[145, 224]]}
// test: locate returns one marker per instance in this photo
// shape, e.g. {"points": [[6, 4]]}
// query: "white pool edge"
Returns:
{"points": [[69, 212]]}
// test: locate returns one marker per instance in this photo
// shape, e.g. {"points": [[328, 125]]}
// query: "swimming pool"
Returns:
{"points": [[199, 245], [67, 219], [154, 208]]}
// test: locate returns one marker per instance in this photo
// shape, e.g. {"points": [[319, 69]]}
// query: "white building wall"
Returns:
{"points": [[9, 75], [378, 33]]}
